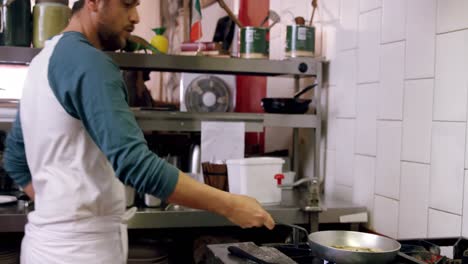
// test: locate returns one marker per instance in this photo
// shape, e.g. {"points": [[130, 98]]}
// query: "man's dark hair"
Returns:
{"points": [[77, 6]]}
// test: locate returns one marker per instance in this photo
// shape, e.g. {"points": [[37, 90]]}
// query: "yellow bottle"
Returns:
{"points": [[160, 42]]}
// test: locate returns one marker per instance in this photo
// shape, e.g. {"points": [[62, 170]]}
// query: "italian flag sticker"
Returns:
{"points": [[196, 29]]}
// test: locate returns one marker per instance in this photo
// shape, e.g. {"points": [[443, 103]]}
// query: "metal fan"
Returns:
{"points": [[208, 94]]}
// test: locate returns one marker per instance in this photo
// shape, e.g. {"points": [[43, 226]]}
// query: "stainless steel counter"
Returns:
{"points": [[156, 218], [13, 217]]}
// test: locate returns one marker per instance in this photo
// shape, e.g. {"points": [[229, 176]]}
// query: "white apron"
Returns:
{"points": [[79, 214], [48, 247]]}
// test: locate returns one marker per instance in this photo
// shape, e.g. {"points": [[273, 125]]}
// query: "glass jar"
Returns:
{"points": [[15, 23], [50, 17]]}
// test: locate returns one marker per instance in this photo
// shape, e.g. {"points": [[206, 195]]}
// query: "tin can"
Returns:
{"points": [[254, 43], [300, 41]]}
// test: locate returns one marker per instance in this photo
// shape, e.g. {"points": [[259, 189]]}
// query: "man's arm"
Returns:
{"points": [[239, 209], [14, 158], [99, 100]]}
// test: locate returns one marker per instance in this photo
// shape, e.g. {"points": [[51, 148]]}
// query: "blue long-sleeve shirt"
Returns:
{"points": [[89, 87]]}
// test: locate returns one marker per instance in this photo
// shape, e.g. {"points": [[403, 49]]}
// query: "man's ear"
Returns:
{"points": [[92, 5]]}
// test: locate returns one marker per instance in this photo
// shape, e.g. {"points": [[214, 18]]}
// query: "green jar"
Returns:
{"points": [[300, 41], [254, 43], [15, 23], [50, 17]]}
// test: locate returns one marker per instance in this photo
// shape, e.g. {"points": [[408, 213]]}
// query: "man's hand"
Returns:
{"points": [[247, 212], [29, 190], [239, 209]]}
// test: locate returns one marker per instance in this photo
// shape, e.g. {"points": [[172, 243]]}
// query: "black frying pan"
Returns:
{"points": [[293, 105]]}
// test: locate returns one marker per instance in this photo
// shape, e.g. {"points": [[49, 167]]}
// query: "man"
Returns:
{"points": [[75, 140]]}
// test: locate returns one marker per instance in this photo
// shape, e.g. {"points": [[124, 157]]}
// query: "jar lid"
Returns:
{"points": [[63, 2]]}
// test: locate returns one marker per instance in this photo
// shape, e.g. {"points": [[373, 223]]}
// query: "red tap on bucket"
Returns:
{"points": [[279, 178]]}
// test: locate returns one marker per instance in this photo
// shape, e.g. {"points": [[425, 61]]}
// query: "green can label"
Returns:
{"points": [[254, 41], [300, 38]]}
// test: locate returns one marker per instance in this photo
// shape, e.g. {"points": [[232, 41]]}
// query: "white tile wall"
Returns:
{"points": [[369, 46], [298, 8], [364, 178], [343, 192], [396, 72], [393, 20], [465, 207], [466, 150], [451, 15], [366, 121], [345, 152], [349, 17], [450, 94], [330, 50], [447, 166], [442, 224], [388, 170], [330, 172], [331, 118], [329, 10], [366, 5], [414, 200], [329, 36], [386, 216], [346, 95], [417, 121], [392, 72], [420, 38]]}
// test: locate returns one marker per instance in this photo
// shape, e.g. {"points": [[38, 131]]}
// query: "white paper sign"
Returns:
{"points": [[222, 141]]}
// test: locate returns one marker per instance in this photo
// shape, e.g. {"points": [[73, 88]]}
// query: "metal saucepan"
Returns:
{"points": [[349, 247], [345, 247], [342, 247], [293, 105]]}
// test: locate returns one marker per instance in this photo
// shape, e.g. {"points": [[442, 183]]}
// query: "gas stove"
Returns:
{"points": [[421, 251]]}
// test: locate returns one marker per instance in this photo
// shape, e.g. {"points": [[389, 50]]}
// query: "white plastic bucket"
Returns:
{"points": [[255, 177]]}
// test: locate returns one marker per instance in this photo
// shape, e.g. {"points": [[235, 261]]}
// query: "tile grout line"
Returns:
{"points": [[392, 42], [443, 211], [447, 121], [431, 127], [418, 79], [415, 162], [450, 31], [365, 155], [346, 118], [370, 10], [384, 196], [366, 83]]}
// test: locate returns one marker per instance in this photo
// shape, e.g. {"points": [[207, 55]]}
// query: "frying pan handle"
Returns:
{"points": [[295, 228], [229, 12], [238, 252], [301, 92]]}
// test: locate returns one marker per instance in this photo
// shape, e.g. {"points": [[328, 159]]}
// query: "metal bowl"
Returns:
{"points": [[321, 244]]}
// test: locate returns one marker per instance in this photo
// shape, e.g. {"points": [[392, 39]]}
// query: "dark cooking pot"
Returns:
{"points": [[293, 105]]}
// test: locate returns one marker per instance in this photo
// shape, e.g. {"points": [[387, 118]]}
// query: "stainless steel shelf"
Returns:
{"points": [[17, 55], [187, 121], [176, 63]]}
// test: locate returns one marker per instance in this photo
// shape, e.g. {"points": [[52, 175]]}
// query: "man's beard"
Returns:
{"points": [[110, 41]]}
